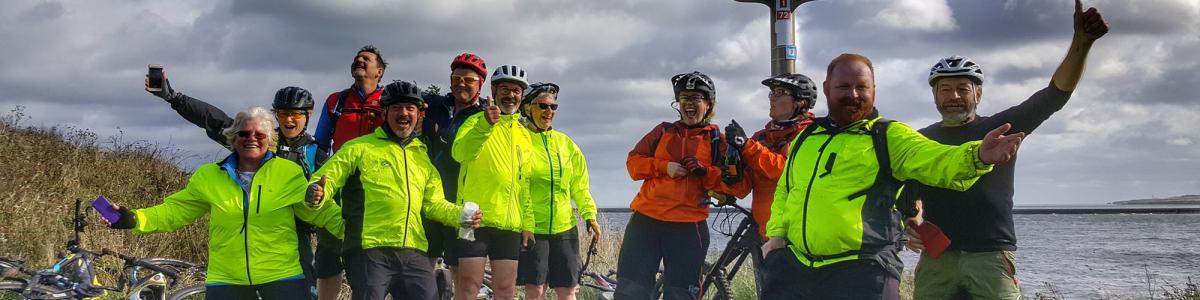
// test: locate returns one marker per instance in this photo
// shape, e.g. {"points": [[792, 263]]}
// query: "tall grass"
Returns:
{"points": [[46, 169]]}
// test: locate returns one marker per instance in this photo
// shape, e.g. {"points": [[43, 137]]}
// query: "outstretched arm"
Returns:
{"points": [[1089, 26]]}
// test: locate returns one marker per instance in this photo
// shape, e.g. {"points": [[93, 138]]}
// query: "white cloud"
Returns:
{"points": [[916, 15]]}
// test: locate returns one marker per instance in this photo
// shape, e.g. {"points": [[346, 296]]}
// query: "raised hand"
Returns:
{"points": [[316, 192], [1089, 24], [998, 148], [492, 112], [735, 135]]}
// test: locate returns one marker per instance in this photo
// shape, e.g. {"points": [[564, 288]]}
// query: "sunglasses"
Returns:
{"points": [[246, 134], [553, 106], [284, 114], [456, 79]]}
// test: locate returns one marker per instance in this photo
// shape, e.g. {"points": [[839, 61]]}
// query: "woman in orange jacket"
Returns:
{"points": [[765, 153], [675, 163]]}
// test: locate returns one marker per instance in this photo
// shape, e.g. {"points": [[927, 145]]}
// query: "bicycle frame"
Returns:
{"points": [[744, 243]]}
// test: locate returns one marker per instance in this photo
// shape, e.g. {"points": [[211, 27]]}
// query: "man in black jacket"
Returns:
{"points": [[292, 107]]}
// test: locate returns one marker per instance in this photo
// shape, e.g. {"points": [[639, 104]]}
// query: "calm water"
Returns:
{"points": [[1082, 256]]}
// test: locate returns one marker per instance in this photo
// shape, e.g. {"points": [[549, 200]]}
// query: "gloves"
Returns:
{"points": [[167, 93], [735, 135], [128, 220], [693, 166]]}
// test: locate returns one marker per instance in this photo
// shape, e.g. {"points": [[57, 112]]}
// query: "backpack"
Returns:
{"points": [[885, 184]]}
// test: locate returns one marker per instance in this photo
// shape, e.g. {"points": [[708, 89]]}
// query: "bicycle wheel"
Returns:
{"points": [[718, 287], [194, 292], [445, 284], [12, 289]]}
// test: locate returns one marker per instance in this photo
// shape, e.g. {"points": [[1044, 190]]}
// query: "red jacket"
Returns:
{"points": [[677, 199], [766, 154], [355, 117]]}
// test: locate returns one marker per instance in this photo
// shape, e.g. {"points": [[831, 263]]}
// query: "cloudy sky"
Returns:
{"points": [[1128, 132]]}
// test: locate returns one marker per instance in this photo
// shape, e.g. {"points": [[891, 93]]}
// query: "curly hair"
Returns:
{"points": [[253, 114], [371, 49]]}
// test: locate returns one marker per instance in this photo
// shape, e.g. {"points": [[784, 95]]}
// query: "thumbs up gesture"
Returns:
{"points": [[1089, 24], [316, 192]]}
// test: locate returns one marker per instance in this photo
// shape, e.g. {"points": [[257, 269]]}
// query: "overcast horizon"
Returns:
{"points": [[1127, 133]]}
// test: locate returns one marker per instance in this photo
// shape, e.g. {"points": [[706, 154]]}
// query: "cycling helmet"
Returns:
{"points": [[401, 92], [801, 86], [537, 89], [956, 66], [292, 98], [511, 73], [470, 61], [694, 81]]}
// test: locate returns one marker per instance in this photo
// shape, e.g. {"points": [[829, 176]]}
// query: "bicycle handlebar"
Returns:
{"points": [[739, 208], [134, 261]]}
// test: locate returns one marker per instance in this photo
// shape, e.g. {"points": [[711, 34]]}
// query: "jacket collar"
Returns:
{"points": [[229, 164]]}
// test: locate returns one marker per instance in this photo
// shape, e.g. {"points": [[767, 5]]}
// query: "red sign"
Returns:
{"points": [[783, 15]]}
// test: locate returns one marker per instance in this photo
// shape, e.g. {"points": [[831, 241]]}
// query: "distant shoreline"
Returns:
{"points": [[1052, 209]]}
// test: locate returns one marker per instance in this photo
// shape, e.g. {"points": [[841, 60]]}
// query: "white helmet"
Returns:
{"points": [[511, 73], [956, 66]]}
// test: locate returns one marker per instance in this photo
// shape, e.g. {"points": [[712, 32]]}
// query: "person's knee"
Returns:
{"points": [[564, 292]]}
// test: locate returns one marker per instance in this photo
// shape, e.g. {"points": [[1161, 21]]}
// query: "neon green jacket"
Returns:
{"points": [[495, 170], [251, 235], [386, 191], [824, 204], [559, 176]]}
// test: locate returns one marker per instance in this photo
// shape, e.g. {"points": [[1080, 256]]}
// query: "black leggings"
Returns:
{"points": [[283, 289], [680, 247]]}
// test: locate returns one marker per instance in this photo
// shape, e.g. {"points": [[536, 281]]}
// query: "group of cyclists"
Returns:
{"points": [[394, 179]]}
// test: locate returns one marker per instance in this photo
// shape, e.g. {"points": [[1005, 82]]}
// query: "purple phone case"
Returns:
{"points": [[106, 209]]}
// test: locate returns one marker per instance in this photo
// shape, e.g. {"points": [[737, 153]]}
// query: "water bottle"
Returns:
{"points": [[468, 215]]}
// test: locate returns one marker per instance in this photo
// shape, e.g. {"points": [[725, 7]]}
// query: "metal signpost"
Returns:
{"points": [[783, 34]]}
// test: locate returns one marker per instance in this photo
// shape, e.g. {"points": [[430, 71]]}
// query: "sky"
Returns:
{"points": [[1128, 131]]}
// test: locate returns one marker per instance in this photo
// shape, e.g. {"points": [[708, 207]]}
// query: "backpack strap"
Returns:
{"points": [[808, 130], [663, 131], [879, 141], [310, 156], [336, 111], [715, 149]]}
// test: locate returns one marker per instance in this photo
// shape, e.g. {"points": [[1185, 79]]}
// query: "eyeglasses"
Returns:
{"points": [[550, 106], [285, 114], [246, 134], [456, 79], [779, 93], [509, 90], [691, 99]]}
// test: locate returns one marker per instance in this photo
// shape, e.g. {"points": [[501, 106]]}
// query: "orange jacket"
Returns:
{"points": [[766, 155], [677, 199]]}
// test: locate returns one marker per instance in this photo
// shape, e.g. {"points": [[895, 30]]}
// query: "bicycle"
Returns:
{"points": [[606, 284], [73, 276], [744, 242]]}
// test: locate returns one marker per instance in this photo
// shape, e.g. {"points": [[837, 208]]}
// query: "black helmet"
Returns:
{"points": [[401, 92], [292, 98], [801, 86], [694, 81]]}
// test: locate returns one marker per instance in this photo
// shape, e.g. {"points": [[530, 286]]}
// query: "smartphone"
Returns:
{"points": [[486, 101], [155, 74], [106, 209]]}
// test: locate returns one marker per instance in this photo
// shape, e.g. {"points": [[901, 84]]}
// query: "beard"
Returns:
{"points": [[849, 110]]}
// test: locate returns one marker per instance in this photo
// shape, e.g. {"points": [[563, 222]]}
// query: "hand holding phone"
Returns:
{"points": [[106, 209], [155, 77]]}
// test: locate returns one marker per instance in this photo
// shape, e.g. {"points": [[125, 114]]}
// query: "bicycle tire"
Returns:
{"points": [[189, 272], [193, 292], [721, 286], [12, 289]]}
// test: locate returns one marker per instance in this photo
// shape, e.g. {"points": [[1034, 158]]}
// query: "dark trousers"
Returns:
{"points": [[286, 289], [404, 273], [787, 278], [680, 247]]}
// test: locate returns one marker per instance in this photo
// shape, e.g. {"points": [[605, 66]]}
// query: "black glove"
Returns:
{"points": [[732, 172], [735, 135], [693, 166], [166, 93], [128, 220]]}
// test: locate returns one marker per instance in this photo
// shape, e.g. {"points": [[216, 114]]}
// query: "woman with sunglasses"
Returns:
{"points": [[559, 177], [253, 200], [677, 164]]}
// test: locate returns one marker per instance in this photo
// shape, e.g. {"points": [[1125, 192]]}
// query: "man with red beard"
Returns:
{"points": [[834, 230]]}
